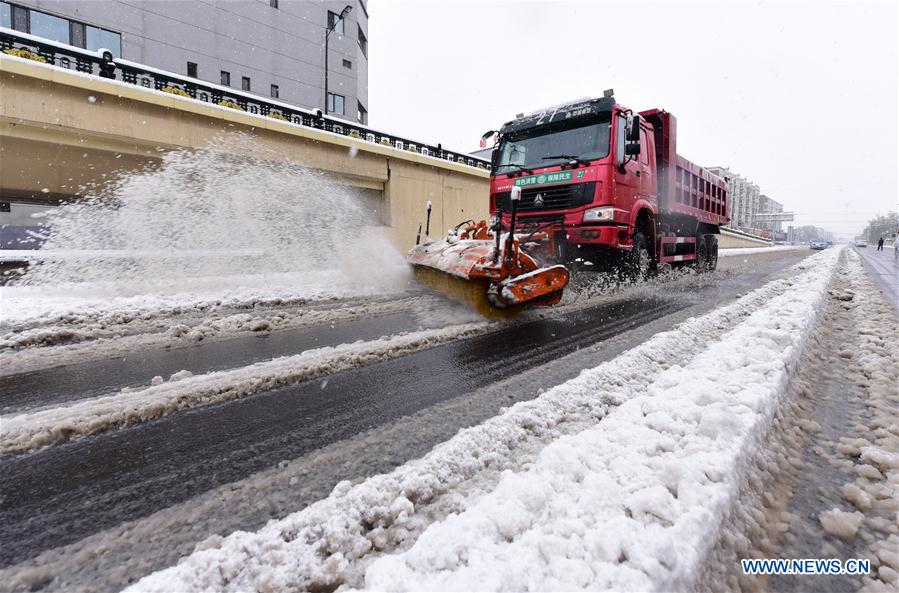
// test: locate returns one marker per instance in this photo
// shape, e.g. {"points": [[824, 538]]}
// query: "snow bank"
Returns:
{"points": [[874, 494], [36, 429], [79, 337], [841, 523], [639, 510], [636, 501]]}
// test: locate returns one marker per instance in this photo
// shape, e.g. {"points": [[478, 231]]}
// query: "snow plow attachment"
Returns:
{"points": [[487, 270]]}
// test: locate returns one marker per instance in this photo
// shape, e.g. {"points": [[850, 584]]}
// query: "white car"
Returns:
{"points": [[861, 243]]}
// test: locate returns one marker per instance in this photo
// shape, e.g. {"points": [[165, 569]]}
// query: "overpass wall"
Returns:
{"points": [[62, 133], [729, 240]]}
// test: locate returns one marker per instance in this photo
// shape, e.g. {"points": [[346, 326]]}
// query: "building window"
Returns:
{"points": [[226, 78], [335, 23], [49, 27], [348, 64], [59, 29], [336, 103], [20, 19], [192, 69], [275, 91], [245, 83], [273, 3], [5, 15], [361, 114], [101, 38], [363, 42], [78, 34]]}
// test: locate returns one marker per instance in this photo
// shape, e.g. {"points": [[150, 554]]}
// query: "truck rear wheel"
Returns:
{"points": [[702, 255], [706, 253], [713, 253]]}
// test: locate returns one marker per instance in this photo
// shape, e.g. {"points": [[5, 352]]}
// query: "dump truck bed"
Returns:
{"points": [[684, 188]]}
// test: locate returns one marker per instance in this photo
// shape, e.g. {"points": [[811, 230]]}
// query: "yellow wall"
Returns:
{"points": [[728, 240], [61, 131]]}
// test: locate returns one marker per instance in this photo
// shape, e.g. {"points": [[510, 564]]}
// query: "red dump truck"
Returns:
{"points": [[590, 183], [602, 184]]}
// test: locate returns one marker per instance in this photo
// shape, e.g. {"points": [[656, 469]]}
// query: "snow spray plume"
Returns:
{"points": [[228, 210]]}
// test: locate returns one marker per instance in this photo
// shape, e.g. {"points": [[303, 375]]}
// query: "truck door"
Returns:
{"points": [[628, 170], [647, 167]]}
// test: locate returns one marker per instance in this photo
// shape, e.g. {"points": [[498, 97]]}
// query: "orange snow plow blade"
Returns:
{"points": [[496, 278]]}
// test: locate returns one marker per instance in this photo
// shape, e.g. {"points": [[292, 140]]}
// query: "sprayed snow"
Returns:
{"points": [[183, 390], [209, 224], [591, 510], [16, 255]]}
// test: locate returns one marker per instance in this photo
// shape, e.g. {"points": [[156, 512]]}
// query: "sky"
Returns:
{"points": [[798, 97]]}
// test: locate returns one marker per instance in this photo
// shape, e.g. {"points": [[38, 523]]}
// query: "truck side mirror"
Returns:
{"points": [[633, 134], [632, 149]]}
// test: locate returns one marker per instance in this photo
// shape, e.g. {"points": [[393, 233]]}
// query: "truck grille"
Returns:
{"points": [[555, 197], [533, 221]]}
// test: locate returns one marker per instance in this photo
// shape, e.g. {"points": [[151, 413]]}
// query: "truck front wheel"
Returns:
{"points": [[640, 264]]}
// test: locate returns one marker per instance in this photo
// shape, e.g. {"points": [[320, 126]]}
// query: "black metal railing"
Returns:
{"points": [[102, 64]]}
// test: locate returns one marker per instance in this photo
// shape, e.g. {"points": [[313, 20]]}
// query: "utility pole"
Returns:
{"points": [[343, 14]]}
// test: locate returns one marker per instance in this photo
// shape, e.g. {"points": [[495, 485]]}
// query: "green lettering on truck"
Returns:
{"points": [[544, 178]]}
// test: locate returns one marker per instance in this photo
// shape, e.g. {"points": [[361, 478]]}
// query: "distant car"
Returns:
{"points": [[861, 243], [818, 244]]}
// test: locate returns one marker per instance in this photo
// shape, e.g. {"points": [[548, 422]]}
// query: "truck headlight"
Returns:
{"points": [[601, 213]]}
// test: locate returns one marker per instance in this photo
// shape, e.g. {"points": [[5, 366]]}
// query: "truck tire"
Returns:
{"points": [[702, 255], [706, 253], [712, 242], [640, 262]]}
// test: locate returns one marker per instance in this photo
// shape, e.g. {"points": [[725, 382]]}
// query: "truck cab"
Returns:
{"points": [[606, 184], [586, 170]]}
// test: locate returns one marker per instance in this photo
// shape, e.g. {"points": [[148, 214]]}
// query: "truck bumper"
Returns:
{"points": [[614, 236]]}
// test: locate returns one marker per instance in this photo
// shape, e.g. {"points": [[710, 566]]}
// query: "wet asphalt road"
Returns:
{"points": [[61, 494], [884, 270], [57, 385]]}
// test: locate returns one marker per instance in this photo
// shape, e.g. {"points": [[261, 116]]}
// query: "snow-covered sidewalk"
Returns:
{"points": [[631, 496]]}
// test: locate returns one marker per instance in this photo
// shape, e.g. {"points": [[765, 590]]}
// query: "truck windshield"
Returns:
{"points": [[527, 148]]}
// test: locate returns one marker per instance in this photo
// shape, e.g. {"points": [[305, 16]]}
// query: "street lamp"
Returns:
{"points": [[343, 14]]}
